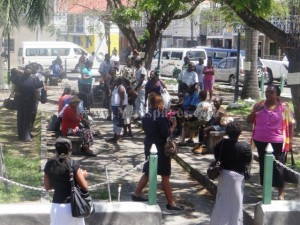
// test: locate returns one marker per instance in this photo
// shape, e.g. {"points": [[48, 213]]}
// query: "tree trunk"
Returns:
{"points": [[250, 86], [294, 67], [1, 70]]}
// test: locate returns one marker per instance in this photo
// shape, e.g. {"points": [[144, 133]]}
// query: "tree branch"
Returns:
{"points": [[190, 11], [260, 24]]}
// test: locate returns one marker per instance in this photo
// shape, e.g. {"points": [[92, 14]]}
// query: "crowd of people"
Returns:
{"points": [[133, 94]]}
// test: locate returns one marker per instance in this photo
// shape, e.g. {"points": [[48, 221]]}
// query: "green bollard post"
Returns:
{"points": [[282, 83], [152, 175], [262, 85], [268, 175]]}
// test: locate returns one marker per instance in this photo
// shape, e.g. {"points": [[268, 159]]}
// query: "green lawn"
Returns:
{"points": [[22, 161]]}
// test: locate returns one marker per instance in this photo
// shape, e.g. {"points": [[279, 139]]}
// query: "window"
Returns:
{"points": [[209, 53], [176, 55], [60, 51], [165, 55], [220, 55], [77, 51], [36, 52], [222, 65], [231, 63], [179, 43], [195, 55], [273, 48]]}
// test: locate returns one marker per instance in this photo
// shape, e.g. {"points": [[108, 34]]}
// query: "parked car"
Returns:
{"points": [[226, 70], [276, 68]]}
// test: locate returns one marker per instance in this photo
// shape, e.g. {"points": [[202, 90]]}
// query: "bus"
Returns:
{"points": [[44, 52]]}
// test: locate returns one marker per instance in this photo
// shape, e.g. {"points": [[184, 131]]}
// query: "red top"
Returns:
{"points": [[208, 73], [61, 102], [69, 120]]}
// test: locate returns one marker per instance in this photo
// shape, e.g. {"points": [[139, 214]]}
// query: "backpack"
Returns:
{"points": [[54, 123]]}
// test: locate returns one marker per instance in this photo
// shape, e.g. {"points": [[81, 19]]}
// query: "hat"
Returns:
{"points": [[61, 143], [74, 99]]}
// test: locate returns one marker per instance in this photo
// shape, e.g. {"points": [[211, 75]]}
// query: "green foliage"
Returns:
{"points": [[12, 12], [155, 8], [260, 7], [243, 110], [145, 38], [158, 8], [125, 15]]}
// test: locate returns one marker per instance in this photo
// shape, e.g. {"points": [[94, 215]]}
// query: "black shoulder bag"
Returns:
{"points": [[10, 103], [81, 201], [214, 168]]}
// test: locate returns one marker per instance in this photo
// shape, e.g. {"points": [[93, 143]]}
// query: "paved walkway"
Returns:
{"points": [[124, 159]]}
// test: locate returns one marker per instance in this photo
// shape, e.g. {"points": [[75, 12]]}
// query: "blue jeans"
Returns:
{"points": [[117, 130], [139, 103]]}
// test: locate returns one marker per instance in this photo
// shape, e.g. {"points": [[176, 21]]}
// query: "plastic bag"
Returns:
{"points": [[167, 99]]}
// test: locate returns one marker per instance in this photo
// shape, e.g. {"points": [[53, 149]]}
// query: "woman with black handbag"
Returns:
{"points": [[235, 159], [57, 177]]}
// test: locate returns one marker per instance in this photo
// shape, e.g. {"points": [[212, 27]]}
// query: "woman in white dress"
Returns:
{"points": [[234, 156]]}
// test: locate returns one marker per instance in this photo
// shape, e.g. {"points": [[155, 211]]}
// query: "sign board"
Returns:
{"points": [[293, 78]]}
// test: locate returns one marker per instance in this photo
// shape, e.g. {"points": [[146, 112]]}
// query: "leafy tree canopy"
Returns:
{"points": [[260, 7], [12, 12]]}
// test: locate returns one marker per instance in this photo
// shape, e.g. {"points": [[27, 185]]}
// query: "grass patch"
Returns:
{"points": [[22, 161], [243, 110], [171, 81]]}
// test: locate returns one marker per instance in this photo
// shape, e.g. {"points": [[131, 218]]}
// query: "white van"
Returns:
{"points": [[172, 58], [44, 52]]}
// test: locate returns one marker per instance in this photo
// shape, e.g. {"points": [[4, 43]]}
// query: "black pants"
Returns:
{"points": [[24, 117], [278, 179], [34, 113]]}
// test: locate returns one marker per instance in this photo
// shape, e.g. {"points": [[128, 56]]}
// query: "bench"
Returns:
{"points": [[213, 138], [76, 144]]}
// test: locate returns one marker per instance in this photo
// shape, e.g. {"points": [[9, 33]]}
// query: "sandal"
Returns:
{"points": [[174, 207]]}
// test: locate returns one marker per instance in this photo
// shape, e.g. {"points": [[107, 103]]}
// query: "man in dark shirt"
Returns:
{"points": [[26, 98]]}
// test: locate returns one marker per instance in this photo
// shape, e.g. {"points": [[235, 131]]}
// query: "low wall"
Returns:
{"points": [[277, 213], [107, 213]]}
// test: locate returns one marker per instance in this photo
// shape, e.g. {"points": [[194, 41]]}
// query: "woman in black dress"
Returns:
{"points": [[156, 127], [57, 177]]}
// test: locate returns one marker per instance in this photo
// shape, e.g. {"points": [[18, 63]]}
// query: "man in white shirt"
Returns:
{"points": [[92, 57], [140, 82], [190, 77]]}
